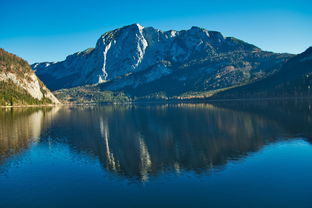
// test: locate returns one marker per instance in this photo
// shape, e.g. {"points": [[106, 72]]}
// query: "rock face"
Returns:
{"points": [[142, 61], [19, 84]]}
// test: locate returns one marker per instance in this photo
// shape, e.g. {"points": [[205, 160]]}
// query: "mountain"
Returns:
{"points": [[146, 61], [19, 85], [293, 79]]}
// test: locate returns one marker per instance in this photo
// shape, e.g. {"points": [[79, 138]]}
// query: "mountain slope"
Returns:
{"points": [[19, 85], [293, 79], [146, 61]]}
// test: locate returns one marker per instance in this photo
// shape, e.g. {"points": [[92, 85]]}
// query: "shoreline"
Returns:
{"points": [[169, 101], [30, 106]]}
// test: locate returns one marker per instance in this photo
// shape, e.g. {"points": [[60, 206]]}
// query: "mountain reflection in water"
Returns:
{"points": [[138, 141]]}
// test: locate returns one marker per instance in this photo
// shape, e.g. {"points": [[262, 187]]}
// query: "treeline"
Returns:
{"points": [[89, 94], [11, 63], [11, 95]]}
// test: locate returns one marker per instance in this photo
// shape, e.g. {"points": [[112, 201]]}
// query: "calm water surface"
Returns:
{"points": [[234, 154]]}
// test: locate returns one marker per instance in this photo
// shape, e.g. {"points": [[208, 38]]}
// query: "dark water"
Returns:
{"points": [[233, 154]]}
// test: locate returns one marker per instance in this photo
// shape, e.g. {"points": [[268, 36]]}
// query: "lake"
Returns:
{"points": [[224, 154]]}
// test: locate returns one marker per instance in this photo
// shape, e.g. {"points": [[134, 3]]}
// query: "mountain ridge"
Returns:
{"points": [[135, 62], [133, 49], [293, 79]]}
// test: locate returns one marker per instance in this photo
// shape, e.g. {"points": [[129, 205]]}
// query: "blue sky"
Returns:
{"points": [[46, 30]]}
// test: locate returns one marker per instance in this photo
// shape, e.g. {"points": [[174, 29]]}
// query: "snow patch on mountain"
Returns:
{"points": [[103, 77], [141, 46]]}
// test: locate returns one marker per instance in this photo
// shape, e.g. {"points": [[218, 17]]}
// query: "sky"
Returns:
{"points": [[49, 30]]}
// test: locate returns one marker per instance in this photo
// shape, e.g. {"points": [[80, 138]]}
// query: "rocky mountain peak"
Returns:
{"points": [[132, 49]]}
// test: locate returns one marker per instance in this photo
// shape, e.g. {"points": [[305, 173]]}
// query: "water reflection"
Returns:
{"points": [[141, 141], [20, 127]]}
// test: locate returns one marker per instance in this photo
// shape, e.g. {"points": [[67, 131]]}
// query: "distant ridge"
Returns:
{"points": [[294, 79]]}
